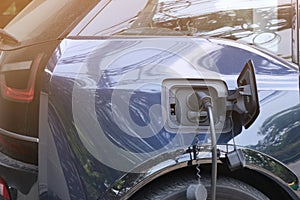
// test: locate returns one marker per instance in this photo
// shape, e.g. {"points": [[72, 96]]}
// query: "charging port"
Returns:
{"points": [[184, 112]]}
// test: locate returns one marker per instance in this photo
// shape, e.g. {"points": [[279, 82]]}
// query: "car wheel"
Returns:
{"points": [[173, 188]]}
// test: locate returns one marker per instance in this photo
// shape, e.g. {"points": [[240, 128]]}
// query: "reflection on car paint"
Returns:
{"points": [[124, 75]]}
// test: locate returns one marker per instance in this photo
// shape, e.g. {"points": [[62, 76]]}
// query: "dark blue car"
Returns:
{"points": [[149, 100]]}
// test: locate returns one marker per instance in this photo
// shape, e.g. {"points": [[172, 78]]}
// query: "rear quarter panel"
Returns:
{"points": [[103, 115]]}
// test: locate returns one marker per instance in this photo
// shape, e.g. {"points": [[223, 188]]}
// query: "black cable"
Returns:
{"points": [[205, 100], [214, 153], [232, 134]]}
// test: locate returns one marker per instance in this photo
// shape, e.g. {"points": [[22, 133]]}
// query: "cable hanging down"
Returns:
{"points": [[207, 103]]}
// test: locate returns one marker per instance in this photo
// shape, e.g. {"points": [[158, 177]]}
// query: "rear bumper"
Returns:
{"points": [[19, 147], [17, 174]]}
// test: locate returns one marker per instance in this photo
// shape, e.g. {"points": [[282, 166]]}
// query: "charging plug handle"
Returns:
{"points": [[204, 99]]}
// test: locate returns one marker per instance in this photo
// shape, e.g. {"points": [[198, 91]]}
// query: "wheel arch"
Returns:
{"points": [[271, 186], [260, 171], [264, 181]]}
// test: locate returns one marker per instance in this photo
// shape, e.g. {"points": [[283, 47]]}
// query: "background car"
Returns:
{"points": [[87, 110]]}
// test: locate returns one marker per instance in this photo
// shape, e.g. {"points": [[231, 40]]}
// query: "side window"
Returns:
{"points": [[265, 24], [116, 16], [9, 9]]}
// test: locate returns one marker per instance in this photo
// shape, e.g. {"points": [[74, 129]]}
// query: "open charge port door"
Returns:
{"points": [[184, 111]]}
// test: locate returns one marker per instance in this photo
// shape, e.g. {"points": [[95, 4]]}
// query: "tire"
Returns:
{"points": [[174, 188]]}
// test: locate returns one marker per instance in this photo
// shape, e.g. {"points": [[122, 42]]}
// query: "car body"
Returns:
{"points": [[98, 124]]}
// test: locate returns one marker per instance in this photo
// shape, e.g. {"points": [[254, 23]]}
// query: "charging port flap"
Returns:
{"points": [[245, 98]]}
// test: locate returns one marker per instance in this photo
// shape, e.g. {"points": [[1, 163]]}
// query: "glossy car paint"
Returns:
{"points": [[89, 146], [22, 64]]}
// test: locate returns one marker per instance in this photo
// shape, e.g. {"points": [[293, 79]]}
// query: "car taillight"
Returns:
{"points": [[26, 94], [4, 190], [17, 94]]}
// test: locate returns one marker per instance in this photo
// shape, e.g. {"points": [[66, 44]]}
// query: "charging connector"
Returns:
{"points": [[203, 99]]}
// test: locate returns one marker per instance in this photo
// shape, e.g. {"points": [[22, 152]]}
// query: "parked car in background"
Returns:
{"points": [[126, 99]]}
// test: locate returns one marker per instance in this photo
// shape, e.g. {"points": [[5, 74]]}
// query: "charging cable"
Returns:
{"points": [[206, 101]]}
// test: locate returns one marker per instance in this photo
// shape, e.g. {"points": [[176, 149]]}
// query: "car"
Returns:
{"points": [[152, 99]]}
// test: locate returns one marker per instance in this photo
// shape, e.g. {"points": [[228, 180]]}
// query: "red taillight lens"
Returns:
{"points": [[17, 94], [4, 190], [26, 94]]}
